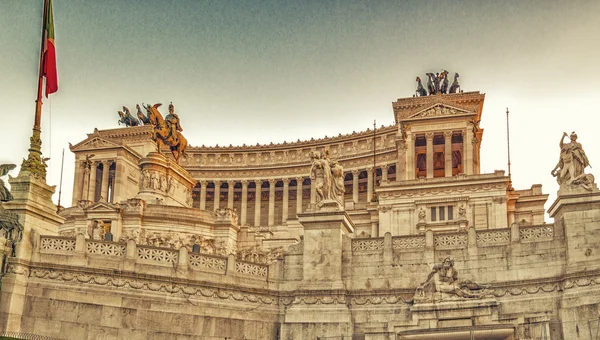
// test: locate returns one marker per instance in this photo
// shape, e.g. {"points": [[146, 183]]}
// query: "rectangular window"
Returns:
{"points": [[442, 213], [433, 211], [450, 213]]}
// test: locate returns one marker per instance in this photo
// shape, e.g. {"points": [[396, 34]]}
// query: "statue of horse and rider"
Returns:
{"points": [[167, 131]]}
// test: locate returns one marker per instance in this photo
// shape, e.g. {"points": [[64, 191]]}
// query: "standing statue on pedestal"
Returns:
{"points": [[328, 177], [167, 131], [569, 171]]}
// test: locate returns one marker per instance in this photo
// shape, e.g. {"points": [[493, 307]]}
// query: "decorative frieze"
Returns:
{"points": [[454, 240], [208, 262], [536, 233], [251, 269], [367, 244], [158, 255], [53, 243], [106, 248], [408, 243]]}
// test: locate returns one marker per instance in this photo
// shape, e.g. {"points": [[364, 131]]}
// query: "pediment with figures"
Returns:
{"points": [[93, 143], [439, 110]]}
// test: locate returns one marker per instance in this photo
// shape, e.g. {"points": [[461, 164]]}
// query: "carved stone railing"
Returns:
{"points": [[163, 255], [536, 233], [57, 244], [254, 269], [106, 248], [367, 244], [408, 243], [202, 261], [493, 237], [450, 241]]}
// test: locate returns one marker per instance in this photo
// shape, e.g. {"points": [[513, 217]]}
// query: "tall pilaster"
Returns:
{"points": [[401, 163], [91, 194], [105, 170], [369, 184], [78, 182], [230, 186], [429, 138], [217, 197], [284, 208], [448, 153], [257, 199], [410, 157], [271, 219], [203, 195], [244, 208], [299, 181], [384, 173], [313, 193], [468, 147], [355, 186]]}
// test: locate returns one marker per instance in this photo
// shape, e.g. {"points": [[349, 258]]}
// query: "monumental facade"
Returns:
{"points": [[386, 234]]}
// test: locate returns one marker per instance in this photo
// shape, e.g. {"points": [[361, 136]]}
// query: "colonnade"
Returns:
{"points": [[463, 145], [299, 184], [94, 181]]}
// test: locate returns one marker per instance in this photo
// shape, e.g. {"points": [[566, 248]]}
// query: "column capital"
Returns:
{"points": [[203, 183], [429, 136], [448, 134], [217, 183], [245, 182], [299, 179], [285, 181], [258, 182], [355, 172], [272, 181], [369, 170], [230, 183], [384, 166]]}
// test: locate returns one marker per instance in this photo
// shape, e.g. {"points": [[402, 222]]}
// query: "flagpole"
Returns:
{"points": [[34, 163]]}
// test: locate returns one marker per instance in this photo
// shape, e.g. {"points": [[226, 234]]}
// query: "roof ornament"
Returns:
{"points": [[437, 84]]}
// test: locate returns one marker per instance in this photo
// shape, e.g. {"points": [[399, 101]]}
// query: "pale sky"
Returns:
{"points": [[268, 71]]}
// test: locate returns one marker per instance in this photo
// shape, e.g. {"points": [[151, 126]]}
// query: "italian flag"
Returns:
{"points": [[49, 70]]}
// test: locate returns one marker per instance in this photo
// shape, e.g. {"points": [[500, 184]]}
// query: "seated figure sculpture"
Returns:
{"points": [[443, 284]]}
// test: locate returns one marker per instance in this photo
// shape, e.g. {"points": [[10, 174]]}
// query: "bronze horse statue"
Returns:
{"points": [[127, 118], [141, 116], [443, 79], [431, 83], [166, 134], [455, 85], [420, 89]]}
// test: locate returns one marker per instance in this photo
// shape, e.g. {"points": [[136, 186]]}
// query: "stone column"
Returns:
{"points": [[91, 189], [244, 208], [299, 181], [410, 157], [217, 193], [429, 138], [257, 203], [384, 174], [401, 160], [369, 184], [203, 195], [230, 185], [284, 207], [313, 193], [355, 186], [448, 153], [78, 182], [468, 147], [271, 219], [105, 170]]}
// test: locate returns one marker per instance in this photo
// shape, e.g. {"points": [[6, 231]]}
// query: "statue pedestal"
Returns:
{"points": [[321, 299], [323, 236], [165, 182], [576, 211], [453, 315]]}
